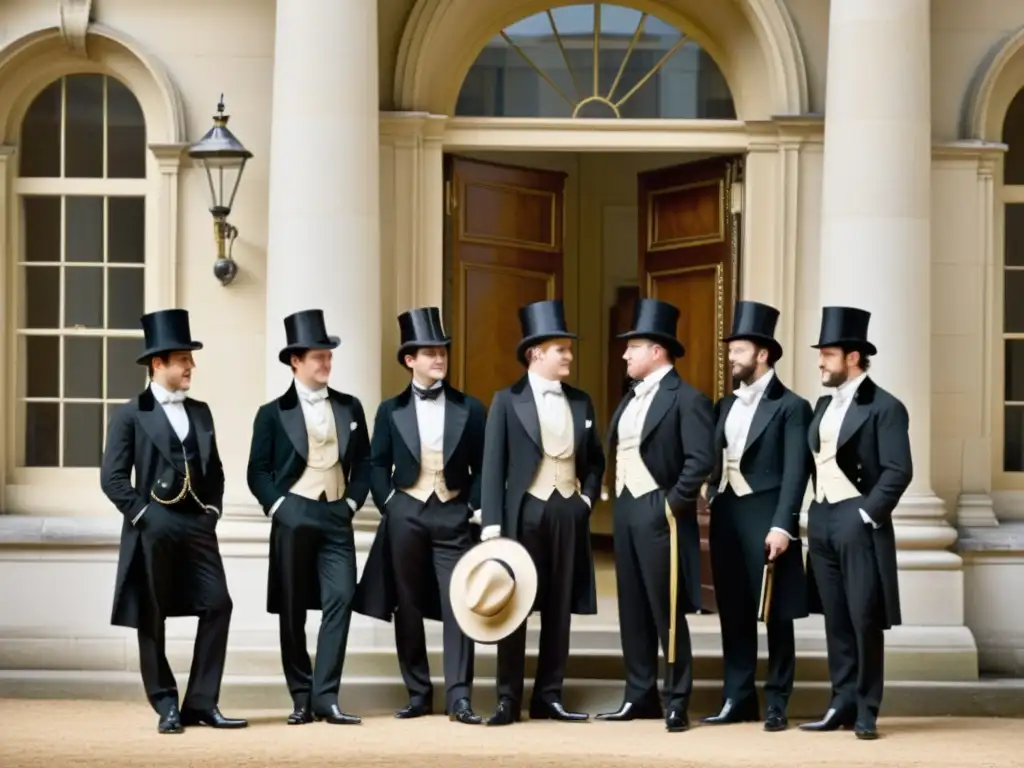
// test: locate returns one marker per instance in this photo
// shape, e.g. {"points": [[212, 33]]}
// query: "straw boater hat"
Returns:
{"points": [[492, 589]]}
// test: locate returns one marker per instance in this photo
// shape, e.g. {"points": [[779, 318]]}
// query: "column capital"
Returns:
{"points": [[169, 156]]}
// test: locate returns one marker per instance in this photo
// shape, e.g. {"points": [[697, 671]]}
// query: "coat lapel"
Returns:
{"points": [[723, 415], [663, 400], [765, 411], [404, 417], [204, 432], [342, 421], [456, 415], [814, 431], [154, 422], [526, 410], [293, 422], [578, 408], [858, 412]]}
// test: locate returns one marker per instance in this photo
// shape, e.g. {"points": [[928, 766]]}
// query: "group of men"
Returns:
{"points": [[527, 471]]}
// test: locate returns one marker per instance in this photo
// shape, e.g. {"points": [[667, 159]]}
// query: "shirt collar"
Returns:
{"points": [[848, 388], [435, 385], [163, 395], [656, 376], [539, 384], [762, 383], [305, 391]]}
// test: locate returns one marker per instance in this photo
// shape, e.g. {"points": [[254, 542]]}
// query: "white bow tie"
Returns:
{"points": [[173, 397], [549, 387], [746, 394], [315, 397]]}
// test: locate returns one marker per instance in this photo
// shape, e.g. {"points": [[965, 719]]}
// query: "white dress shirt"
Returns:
{"points": [[635, 412], [430, 417], [173, 406], [316, 416], [552, 407], [842, 396]]}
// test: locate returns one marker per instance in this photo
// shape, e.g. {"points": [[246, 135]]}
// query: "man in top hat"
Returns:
{"points": [[309, 468], [169, 563], [428, 443], [542, 471], [755, 494], [859, 438], [662, 438]]}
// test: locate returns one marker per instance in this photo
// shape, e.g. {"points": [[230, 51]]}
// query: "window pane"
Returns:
{"points": [[125, 377], [41, 224], [40, 134], [1013, 135], [42, 425], [1013, 301], [1013, 244], [83, 297], [83, 434], [126, 236], [42, 366], [126, 133], [1014, 365], [83, 367], [41, 305], [83, 130], [125, 297], [1013, 438], [84, 229]]}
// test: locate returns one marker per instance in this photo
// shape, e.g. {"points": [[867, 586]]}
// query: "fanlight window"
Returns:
{"points": [[594, 60]]}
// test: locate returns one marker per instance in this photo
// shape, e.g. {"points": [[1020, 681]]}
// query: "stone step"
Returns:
{"points": [[381, 695]]}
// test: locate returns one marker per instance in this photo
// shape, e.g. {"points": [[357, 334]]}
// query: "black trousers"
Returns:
{"points": [[842, 551], [641, 544], [738, 531], [182, 564], [548, 532], [321, 532], [426, 542]]}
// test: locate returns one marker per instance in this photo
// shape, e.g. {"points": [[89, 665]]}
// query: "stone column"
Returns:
{"points": [[324, 214], [875, 254]]}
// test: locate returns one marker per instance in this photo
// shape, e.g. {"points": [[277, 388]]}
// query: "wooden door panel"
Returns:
{"points": [[505, 247], [689, 256]]}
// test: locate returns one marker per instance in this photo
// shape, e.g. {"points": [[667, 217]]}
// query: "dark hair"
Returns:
{"points": [[164, 356], [773, 358], [864, 361], [299, 353]]}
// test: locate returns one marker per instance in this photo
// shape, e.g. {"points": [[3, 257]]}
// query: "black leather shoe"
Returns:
{"points": [[745, 711], [461, 712], [833, 720], [630, 711], [335, 716], [414, 709], [504, 714], [300, 715], [776, 719], [676, 721], [170, 721], [865, 729], [553, 710], [211, 717]]}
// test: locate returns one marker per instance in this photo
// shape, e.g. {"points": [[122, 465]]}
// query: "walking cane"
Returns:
{"points": [[673, 589]]}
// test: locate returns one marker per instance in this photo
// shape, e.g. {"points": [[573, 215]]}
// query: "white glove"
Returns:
{"points": [[490, 532], [475, 518]]}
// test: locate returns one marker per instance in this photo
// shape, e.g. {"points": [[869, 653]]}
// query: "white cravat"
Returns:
{"points": [[173, 405], [842, 396], [741, 415], [643, 395], [430, 418], [314, 408], [550, 400]]}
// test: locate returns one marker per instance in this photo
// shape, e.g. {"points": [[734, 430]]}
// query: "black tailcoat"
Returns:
{"points": [[278, 456], [874, 453], [513, 450], [776, 464], [395, 461], [140, 437], [677, 447]]}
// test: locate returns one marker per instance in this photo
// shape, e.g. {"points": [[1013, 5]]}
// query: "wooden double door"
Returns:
{"points": [[504, 240]]}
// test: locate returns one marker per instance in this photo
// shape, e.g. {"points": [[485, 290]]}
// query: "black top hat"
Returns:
{"points": [[656, 320], [166, 330], [845, 327], [306, 330], [420, 328], [540, 321], [754, 321]]}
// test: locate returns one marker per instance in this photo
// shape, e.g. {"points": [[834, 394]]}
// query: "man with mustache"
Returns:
{"points": [[755, 495], [859, 438], [427, 448], [309, 468], [542, 470], [662, 434], [169, 563]]}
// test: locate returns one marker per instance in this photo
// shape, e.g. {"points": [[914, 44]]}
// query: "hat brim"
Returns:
{"points": [[762, 341], [672, 344], [285, 355], [411, 347], [152, 352], [492, 629], [539, 338], [852, 344]]}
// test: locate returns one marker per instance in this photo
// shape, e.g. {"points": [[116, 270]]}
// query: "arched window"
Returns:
{"points": [[594, 60], [81, 234], [1013, 288]]}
